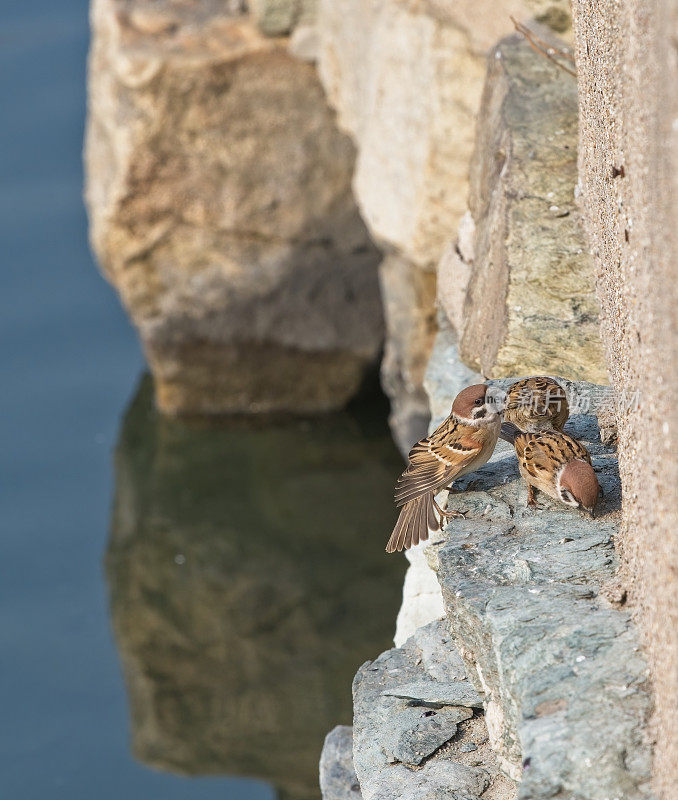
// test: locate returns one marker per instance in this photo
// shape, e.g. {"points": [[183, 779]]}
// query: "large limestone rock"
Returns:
{"points": [[628, 160], [406, 79], [221, 209], [530, 305], [247, 582]]}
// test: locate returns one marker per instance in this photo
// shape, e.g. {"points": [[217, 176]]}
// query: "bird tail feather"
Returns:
{"points": [[416, 519]]}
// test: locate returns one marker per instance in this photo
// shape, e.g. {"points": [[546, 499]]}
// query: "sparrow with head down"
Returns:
{"points": [[560, 466], [463, 442]]}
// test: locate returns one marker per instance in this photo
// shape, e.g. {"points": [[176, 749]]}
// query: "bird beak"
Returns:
{"points": [[509, 432]]}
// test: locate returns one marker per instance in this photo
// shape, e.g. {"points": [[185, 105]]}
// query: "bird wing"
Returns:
{"points": [[533, 458], [437, 460], [542, 454]]}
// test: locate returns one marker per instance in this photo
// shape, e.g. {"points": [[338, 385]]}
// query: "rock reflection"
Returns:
{"points": [[248, 582]]}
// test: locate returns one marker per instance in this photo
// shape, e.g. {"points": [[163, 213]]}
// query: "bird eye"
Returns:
{"points": [[479, 401]]}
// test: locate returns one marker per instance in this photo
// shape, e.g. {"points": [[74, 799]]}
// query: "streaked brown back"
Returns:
{"points": [[537, 403]]}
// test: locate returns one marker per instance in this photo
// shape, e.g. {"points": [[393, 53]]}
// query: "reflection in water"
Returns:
{"points": [[248, 581]]}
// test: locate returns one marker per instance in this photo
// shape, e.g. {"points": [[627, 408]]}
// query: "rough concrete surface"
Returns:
{"points": [[628, 160], [530, 305], [220, 201]]}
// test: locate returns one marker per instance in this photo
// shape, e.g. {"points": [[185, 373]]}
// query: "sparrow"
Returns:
{"points": [[535, 404], [463, 442], [560, 466]]}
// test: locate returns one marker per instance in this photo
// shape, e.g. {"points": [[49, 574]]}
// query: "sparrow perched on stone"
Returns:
{"points": [[560, 466], [536, 404], [460, 444]]}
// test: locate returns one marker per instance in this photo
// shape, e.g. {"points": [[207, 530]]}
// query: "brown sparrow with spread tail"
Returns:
{"points": [[536, 404], [560, 466], [460, 444]]}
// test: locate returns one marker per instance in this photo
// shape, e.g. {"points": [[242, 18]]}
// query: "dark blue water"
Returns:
{"points": [[69, 367], [69, 362]]}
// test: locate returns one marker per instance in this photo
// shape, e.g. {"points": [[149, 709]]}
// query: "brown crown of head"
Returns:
{"points": [[465, 401], [580, 480]]}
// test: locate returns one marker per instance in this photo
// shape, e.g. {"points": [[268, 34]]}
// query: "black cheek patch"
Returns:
{"points": [[479, 413]]}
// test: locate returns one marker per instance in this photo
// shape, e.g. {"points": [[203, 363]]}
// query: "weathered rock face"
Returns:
{"points": [[245, 590], [628, 158], [221, 209], [564, 689], [564, 685], [408, 294], [446, 376], [338, 780], [405, 79], [530, 305], [454, 273], [417, 731]]}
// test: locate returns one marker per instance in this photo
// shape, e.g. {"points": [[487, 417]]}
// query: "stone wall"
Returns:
{"points": [[628, 70], [563, 699]]}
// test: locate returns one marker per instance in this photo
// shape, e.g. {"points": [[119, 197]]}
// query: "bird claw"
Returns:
{"points": [[445, 514]]}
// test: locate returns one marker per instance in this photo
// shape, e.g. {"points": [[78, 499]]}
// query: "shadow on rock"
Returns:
{"points": [[247, 583]]}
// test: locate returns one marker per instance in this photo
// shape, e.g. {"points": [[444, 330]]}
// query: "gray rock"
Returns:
{"points": [[421, 731], [530, 305], [446, 374], [565, 687], [459, 693], [338, 780], [404, 751]]}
